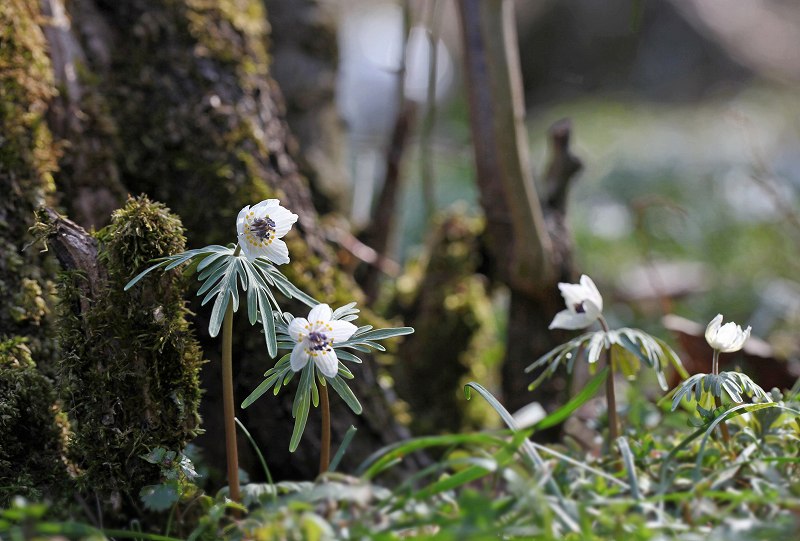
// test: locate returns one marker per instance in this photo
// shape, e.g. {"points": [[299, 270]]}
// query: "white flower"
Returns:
{"points": [[315, 337], [584, 305], [260, 228], [726, 338]]}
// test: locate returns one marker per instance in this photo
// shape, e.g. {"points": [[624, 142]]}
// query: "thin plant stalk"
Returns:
{"points": [[723, 426], [325, 446], [231, 451], [611, 397]]}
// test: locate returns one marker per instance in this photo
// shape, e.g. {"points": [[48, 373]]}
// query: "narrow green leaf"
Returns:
{"points": [[252, 306], [143, 274], [300, 421], [218, 313], [346, 356], [265, 385], [382, 334], [268, 323], [347, 395], [348, 437]]}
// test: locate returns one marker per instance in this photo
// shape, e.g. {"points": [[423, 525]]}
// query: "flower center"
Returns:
{"points": [[263, 228], [578, 307], [318, 341]]}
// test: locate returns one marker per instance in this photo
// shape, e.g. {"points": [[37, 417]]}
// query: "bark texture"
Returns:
{"points": [[528, 239], [175, 100], [30, 431]]}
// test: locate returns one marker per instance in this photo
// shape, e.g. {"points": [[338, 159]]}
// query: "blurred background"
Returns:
{"points": [[685, 114]]}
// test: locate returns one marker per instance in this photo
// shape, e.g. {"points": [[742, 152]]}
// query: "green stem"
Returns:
{"points": [[723, 426], [325, 450], [715, 363], [227, 400], [611, 396]]}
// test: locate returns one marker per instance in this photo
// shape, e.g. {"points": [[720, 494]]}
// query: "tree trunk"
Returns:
{"points": [[175, 99], [528, 241]]}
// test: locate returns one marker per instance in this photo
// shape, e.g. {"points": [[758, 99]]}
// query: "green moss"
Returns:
{"points": [[130, 365], [456, 339], [199, 70], [32, 453], [27, 161]]}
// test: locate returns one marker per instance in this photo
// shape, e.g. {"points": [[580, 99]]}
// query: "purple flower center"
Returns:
{"points": [[318, 341], [263, 228], [579, 309]]}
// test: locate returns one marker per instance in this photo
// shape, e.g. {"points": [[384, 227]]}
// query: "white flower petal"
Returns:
{"points": [[567, 319], [299, 328], [340, 331], [712, 328], [241, 219], [283, 218], [321, 313], [327, 362], [573, 294], [250, 250], [299, 357], [277, 252], [737, 342], [591, 292], [260, 209], [591, 310]]}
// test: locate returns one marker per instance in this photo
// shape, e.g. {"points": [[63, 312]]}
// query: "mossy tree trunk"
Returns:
{"points": [[27, 276], [174, 98]]}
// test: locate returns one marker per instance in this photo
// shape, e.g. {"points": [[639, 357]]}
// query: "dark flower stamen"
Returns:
{"points": [[318, 340], [579, 309], [263, 228]]}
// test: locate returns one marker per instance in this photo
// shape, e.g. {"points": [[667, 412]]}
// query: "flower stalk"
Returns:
{"points": [[611, 396], [325, 444], [231, 450]]}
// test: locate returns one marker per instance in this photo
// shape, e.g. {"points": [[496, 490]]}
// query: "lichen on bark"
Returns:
{"points": [[27, 161]]}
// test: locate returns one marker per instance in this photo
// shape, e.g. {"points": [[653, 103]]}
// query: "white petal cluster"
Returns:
{"points": [[726, 338], [315, 337], [260, 229], [584, 305]]}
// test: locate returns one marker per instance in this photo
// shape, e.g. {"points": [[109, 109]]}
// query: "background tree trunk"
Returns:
{"points": [[528, 240]]}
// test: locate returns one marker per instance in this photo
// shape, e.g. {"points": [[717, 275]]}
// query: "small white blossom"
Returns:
{"points": [[584, 305], [260, 228], [726, 338], [315, 337]]}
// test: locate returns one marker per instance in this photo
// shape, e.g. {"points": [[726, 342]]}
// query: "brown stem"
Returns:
{"points": [[723, 426], [611, 397], [611, 401], [325, 450], [227, 400]]}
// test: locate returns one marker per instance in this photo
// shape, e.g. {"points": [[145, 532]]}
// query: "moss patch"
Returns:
{"points": [[32, 453], [27, 161], [130, 364]]}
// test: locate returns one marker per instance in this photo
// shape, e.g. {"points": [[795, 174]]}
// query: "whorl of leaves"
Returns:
{"points": [[630, 347], [220, 269], [735, 384], [363, 340]]}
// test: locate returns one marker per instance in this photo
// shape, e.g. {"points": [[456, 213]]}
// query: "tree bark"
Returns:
{"points": [[196, 121], [528, 240]]}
